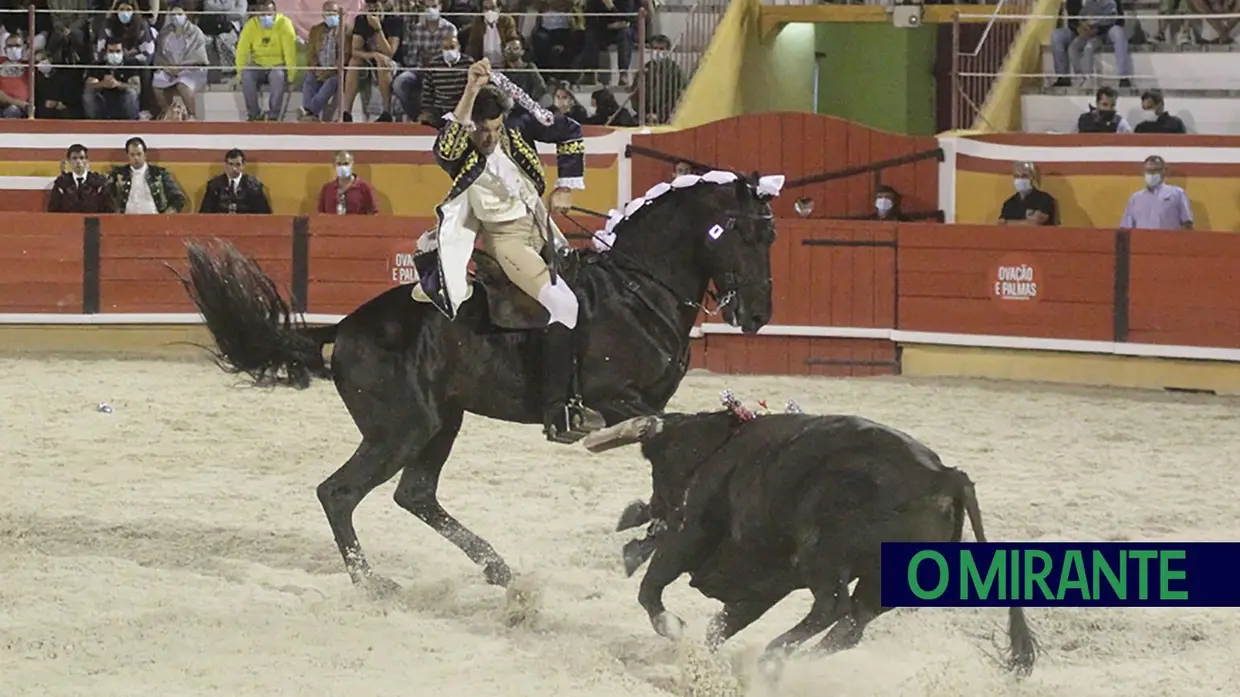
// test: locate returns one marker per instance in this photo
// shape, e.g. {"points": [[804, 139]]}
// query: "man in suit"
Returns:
{"points": [[80, 190], [143, 188], [234, 191]]}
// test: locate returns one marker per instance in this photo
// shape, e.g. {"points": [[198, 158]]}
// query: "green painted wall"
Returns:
{"points": [[877, 75]]}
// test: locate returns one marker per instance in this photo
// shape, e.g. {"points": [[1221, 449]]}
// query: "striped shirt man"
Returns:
{"points": [[443, 84]]}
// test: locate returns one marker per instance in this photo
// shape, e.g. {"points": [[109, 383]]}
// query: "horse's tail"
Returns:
{"points": [[1022, 649], [254, 329]]}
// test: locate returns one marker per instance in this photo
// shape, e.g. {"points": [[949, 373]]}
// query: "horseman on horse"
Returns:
{"points": [[497, 185]]}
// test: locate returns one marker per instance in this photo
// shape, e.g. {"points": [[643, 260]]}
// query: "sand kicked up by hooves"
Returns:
{"points": [[176, 547]]}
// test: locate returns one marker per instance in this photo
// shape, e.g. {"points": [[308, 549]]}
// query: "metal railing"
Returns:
{"points": [[148, 65], [978, 53]]}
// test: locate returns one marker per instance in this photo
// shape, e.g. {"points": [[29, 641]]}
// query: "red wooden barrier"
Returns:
{"points": [[40, 263]]}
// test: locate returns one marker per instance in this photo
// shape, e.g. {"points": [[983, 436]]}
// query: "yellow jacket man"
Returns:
{"points": [[266, 55]]}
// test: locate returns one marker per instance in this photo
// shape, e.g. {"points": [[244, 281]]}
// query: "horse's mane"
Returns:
{"points": [[619, 219]]}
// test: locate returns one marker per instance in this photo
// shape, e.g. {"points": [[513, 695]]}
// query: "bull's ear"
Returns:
{"points": [[628, 432]]}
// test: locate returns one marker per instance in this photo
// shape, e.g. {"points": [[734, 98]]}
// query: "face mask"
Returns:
{"points": [[124, 17], [1152, 180], [884, 205], [452, 56], [13, 53], [1106, 114], [267, 21], [1023, 185], [491, 16], [178, 20], [45, 67], [659, 54], [343, 171], [332, 20], [1151, 113], [432, 14], [115, 58]]}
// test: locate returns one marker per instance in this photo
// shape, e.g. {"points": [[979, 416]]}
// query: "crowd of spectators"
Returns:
{"points": [[142, 187], [148, 59]]}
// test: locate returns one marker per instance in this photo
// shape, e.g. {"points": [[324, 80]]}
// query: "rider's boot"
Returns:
{"points": [[565, 418]]}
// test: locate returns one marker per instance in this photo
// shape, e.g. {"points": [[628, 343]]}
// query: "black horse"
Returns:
{"points": [[407, 374]]}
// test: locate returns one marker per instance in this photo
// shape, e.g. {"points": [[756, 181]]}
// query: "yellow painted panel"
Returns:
{"points": [[1098, 200], [1070, 368]]}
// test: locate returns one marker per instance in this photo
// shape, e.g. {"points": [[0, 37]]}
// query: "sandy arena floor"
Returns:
{"points": [[175, 547]]}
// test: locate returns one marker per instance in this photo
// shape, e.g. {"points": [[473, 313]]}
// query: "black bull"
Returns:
{"points": [[757, 509]]}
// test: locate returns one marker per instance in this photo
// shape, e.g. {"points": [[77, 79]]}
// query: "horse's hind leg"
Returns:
{"points": [[374, 463], [417, 492]]}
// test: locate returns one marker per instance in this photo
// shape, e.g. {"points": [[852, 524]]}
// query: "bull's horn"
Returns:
{"points": [[626, 432]]}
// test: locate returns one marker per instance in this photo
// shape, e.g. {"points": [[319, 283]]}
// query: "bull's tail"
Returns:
{"points": [[1022, 649], [255, 330]]}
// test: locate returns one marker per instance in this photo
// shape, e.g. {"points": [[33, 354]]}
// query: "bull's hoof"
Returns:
{"points": [[379, 587], [635, 514], [668, 626], [497, 573]]}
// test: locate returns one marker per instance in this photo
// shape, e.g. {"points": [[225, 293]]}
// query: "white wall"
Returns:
{"points": [[1185, 71], [1044, 113]]}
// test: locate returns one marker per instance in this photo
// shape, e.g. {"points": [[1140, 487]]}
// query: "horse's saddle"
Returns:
{"points": [[507, 306]]}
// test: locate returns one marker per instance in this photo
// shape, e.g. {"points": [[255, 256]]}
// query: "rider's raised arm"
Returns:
{"points": [[570, 148], [453, 140]]}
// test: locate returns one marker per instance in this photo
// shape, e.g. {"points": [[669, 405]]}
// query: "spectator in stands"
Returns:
{"points": [[112, 87], [1029, 205], [1158, 206], [423, 44], [558, 36], [137, 41], [1081, 39], [443, 84], [1102, 118], [524, 74], [181, 51], [608, 22], [143, 188], [489, 33], [14, 79], [1160, 121], [347, 194], [564, 102], [665, 80], [70, 24], [222, 27], [270, 41], [607, 111], [234, 191], [886, 205], [375, 39], [80, 190], [59, 89], [461, 13], [681, 168], [1170, 26], [322, 53], [1223, 26]]}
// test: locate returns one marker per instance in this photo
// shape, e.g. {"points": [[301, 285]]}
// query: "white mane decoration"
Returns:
{"points": [[603, 239]]}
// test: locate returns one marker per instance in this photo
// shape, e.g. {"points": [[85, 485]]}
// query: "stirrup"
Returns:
{"points": [[580, 419]]}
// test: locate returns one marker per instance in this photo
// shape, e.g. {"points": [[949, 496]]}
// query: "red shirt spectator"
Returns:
{"points": [[14, 79], [347, 194]]}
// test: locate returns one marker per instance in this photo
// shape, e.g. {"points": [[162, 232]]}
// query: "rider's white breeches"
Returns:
{"points": [[513, 244]]}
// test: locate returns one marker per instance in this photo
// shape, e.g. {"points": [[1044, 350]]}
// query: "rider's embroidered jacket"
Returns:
{"points": [[456, 154]]}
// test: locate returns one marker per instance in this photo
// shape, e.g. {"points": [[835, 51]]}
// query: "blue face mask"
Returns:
{"points": [[124, 17], [332, 21], [267, 21]]}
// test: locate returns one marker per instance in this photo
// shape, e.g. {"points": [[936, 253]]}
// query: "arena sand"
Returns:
{"points": [[176, 547]]}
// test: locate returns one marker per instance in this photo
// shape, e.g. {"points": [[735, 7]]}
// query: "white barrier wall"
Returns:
{"points": [[1055, 113]]}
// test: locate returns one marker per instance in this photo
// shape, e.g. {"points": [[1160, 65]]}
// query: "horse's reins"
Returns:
{"points": [[720, 302]]}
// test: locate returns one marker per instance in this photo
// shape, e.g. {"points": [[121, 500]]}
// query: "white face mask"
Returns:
{"points": [[432, 14], [115, 58], [884, 205], [1153, 180], [1022, 185], [179, 20], [45, 67], [343, 171], [13, 53], [491, 16], [451, 56]]}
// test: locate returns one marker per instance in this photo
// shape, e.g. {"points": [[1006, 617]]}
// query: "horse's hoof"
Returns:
{"points": [[668, 626], [497, 573], [379, 587], [636, 513]]}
